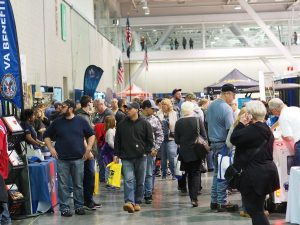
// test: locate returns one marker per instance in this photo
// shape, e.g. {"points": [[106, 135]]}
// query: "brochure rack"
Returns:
{"points": [[18, 179]]}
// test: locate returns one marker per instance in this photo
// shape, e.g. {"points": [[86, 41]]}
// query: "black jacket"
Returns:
{"points": [[120, 115], [185, 136], [260, 174], [133, 139]]}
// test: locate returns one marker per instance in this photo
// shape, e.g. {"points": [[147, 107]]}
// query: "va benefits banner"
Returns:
{"points": [[10, 72], [92, 78]]}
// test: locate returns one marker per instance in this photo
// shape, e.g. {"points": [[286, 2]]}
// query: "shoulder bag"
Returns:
{"points": [[201, 146], [233, 175]]}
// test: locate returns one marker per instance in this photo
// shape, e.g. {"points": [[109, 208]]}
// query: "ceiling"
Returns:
{"points": [[133, 8]]}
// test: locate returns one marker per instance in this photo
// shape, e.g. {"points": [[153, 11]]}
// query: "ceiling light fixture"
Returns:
{"points": [[147, 11], [145, 5], [238, 7]]}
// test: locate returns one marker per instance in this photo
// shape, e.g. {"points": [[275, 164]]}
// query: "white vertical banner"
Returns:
{"points": [[262, 90]]}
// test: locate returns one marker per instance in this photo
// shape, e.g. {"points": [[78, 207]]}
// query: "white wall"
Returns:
{"points": [[84, 7], [163, 77], [48, 57]]}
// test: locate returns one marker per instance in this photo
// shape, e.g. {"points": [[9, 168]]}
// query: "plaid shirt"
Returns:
{"points": [[158, 135]]}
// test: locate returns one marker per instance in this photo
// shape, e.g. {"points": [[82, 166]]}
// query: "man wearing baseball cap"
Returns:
{"points": [[177, 100], [220, 117], [70, 150], [133, 142], [149, 107]]}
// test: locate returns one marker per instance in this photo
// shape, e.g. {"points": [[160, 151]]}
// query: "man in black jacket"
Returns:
{"points": [[133, 142]]}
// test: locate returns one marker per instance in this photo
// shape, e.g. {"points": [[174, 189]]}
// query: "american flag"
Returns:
{"points": [[128, 33], [146, 58], [120, 72]]}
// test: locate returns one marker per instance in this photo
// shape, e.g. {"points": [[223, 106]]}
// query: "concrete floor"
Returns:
{"points": [[169, 207]]}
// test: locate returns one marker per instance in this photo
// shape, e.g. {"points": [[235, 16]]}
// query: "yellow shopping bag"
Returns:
{"points": [[97, 178], [114, 174]]}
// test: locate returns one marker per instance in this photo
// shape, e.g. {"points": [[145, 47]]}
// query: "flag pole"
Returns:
{"points": [[129, 79]]}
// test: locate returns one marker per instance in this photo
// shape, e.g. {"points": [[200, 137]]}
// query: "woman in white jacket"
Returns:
{"points": [[168, 148]]}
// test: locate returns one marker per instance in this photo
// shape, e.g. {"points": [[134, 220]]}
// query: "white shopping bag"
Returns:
{"points": [[178, 172], [224, 161]]}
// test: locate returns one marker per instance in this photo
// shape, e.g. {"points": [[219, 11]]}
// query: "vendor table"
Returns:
{"points": [[43, 185], [293, 204]]}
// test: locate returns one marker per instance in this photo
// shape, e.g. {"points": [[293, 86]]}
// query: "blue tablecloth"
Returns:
{"points": [[43, 184]]}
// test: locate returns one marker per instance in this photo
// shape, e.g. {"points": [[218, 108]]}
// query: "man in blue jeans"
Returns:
{"points": [[133, 142], [149, 108], [70, 150], [219, 120], [289, 122]]}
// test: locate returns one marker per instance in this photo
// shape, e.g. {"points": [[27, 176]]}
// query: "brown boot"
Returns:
{"points": [[137, 207], [129, 207], [244, 214]]}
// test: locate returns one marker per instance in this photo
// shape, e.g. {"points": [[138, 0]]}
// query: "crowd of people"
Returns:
{"points": [[174, 44], [148, 136]]}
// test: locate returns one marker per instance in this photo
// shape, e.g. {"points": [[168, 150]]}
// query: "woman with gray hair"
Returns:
{"points": [[254, 158], [185, 136]]}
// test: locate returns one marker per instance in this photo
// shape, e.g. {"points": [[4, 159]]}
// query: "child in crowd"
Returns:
{"points": [[107, 152]]}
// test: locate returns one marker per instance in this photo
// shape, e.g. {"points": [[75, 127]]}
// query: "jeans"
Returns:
{"points": [[65, 170], [219, 187], [89, 180], [210, 161], [4, 216], [134, 172], [297, 153], [168, 153], [149, 181], [254, 205]]}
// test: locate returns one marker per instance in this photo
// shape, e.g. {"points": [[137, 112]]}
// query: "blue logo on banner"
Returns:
{"points": [[92, 78], [10, 73], [8, 86]]}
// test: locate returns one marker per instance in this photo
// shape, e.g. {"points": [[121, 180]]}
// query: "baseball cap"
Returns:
{"points": [[149, 104], [69, 103], [175, 91], [56, 104], [228, 87], [132, 105]]}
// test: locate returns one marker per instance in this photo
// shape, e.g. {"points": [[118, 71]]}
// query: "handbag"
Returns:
{"points": [[201, 146], [233, 175]]}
